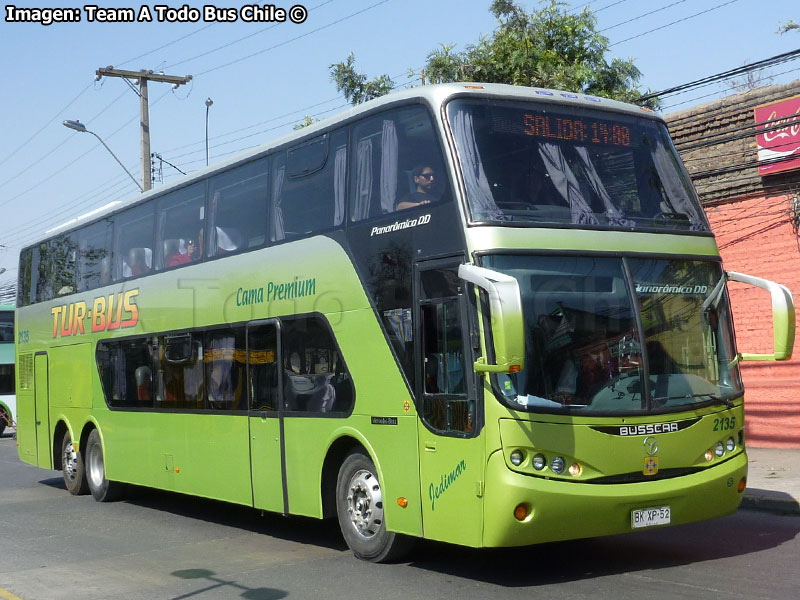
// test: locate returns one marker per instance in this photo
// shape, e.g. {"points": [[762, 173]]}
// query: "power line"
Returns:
{"points": [[673, 23], [773, 60], [241, 39], [647, 14], [302, 35]]}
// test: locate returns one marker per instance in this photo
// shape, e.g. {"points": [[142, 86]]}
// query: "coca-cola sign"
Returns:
{"points": [[778, 140]]}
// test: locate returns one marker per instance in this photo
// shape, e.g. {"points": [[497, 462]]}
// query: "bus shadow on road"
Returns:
{"points": [[300, 530], [576, 560]]}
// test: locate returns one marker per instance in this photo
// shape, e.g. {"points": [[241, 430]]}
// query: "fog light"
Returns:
{"points": [[558, 465], [719, 449], [521, 512], [709, 455], [730, 445], [575, 469], [539, 462], [517, 456]]}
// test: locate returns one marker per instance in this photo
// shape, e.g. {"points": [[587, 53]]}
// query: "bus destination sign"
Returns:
{"points": [[579, 131]]}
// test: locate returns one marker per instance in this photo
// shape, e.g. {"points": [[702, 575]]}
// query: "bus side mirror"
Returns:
{"points": [[507, 331], [782, 317]]}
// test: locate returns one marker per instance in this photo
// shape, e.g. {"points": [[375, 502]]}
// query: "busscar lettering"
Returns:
{"points": [[43, 16], [648, 429]]}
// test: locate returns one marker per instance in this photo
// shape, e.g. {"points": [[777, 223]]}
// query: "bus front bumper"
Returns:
{"points": [[561, 510]]}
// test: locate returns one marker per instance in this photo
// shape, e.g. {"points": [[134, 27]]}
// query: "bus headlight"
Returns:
{"points": [[517, 456], [539, 462], [730, 444], [558, 465], [719, 449]]}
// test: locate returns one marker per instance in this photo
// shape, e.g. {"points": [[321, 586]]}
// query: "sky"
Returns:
{"points": [[264, 77]]}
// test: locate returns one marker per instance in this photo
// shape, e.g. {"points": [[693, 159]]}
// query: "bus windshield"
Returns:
{"points": [[602, 332], [538, 163]]}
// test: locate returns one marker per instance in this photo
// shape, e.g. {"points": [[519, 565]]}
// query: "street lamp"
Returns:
{"points": [[209, 102], [78, 126]]}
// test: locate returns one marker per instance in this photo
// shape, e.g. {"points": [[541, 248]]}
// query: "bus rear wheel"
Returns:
{"points": [[359, 506], [5, 419], [101, 488], [72, 467]]}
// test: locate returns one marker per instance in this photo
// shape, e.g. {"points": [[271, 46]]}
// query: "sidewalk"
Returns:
{"points": [[773, 480]]}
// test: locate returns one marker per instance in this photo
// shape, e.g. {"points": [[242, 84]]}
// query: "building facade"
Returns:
{"points": [[743, 154]]}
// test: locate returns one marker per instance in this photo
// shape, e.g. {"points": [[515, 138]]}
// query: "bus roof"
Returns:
{"points": [[434, 95]]}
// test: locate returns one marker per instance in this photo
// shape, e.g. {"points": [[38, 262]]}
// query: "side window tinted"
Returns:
{"points": [[225, 361], [181, 215], [27, 277], [262, 362], [57, 268], [133, 250], [180, 371], [397, 164], [126, 373], [238, 208], [446, 405], [308, 195], [315, 378], [94, 255]]}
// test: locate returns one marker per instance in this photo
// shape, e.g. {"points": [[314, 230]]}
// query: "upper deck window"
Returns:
{"points": [[555, 164], [398, 164]]}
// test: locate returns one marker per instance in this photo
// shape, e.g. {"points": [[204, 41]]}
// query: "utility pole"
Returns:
{"points": [[143, 77]]}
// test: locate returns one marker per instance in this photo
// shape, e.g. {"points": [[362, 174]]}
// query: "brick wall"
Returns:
{"points": [[755, 236]]}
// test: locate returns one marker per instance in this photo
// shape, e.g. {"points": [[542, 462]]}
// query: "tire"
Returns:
{"points": [[101, 488], [73, 468], [4, 420], [359, 507]]}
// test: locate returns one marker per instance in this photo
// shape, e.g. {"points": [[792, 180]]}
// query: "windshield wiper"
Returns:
{"points": [[727, 400]]}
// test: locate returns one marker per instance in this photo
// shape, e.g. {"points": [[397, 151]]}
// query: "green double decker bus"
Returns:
{"points": [[481, 314]]}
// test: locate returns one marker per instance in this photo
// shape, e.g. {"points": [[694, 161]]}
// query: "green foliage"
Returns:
{"points": [[307, 120], [547, 47], [355, 86], [788, 26]]}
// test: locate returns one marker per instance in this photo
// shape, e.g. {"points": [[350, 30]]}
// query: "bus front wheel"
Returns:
{"points": [[359, 506], [72, 467], [102, 489]]}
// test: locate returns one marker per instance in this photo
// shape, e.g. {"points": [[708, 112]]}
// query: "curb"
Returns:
{"points": [[767, 500]]}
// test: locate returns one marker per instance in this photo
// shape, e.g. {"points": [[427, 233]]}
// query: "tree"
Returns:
{"points": [[355, 86], [548, 47], [788, 26]]}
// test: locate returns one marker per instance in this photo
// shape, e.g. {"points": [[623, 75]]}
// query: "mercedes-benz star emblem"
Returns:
{"points": [[651, 445]]}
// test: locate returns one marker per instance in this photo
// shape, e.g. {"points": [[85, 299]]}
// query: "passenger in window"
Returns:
{"points": [[424, 179], [139, 261], [173, 255], [194, 247]]}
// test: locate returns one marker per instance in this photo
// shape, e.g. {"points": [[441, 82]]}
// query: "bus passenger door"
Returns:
{"points": [[42, 410], [451, 447], [266, 416]]}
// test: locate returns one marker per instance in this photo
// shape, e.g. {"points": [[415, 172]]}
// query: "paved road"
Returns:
{"points": [[160, 545]]}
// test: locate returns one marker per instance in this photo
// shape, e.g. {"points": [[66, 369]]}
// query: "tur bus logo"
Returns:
{"points": [[115, 311]]}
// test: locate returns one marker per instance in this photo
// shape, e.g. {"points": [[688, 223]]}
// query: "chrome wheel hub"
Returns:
{"points": [[365, 503], [69, 460], [95, 468]]}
